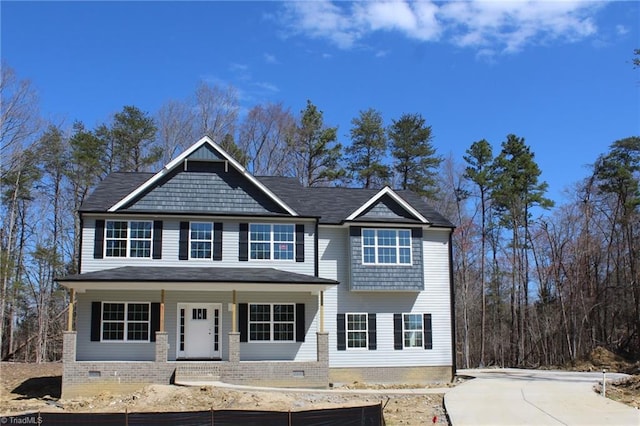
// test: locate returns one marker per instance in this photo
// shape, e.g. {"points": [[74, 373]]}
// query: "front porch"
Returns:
{"points": [[260, 327], [83, 378]]}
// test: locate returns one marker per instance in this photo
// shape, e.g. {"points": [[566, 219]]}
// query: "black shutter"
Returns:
{"points": [[300, 325], [299, 242], [96, 318], [243, 255], [373, 342], [157, 239], [355, 231], [428, 334], [243, 321], [342, 334], [98, 242], [183, 245], [155, 321], [217, 241], [397, 331], [416, 232]]}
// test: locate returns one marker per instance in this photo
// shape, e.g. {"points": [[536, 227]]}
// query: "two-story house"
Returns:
{"points": [[203, 271]]}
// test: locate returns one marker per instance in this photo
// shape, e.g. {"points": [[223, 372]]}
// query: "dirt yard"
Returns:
{"points": [[32, 387], [625, 391]]}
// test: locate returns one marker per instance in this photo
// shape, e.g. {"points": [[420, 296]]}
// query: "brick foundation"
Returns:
{"points": [[85, 378]]}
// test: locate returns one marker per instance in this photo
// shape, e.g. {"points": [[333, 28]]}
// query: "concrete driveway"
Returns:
{"points": [[534, 397]]}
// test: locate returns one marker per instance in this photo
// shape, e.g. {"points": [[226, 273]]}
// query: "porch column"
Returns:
{"points": [[234, 322], [162, 311], [234, 347], [323, 348], [321, 328], [68, 347], [72, 296], [162, 346]]}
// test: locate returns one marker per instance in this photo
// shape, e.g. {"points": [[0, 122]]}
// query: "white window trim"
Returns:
{"points": [[271, 323], [365, 331], [397, 246], [272, 243], [420, 347], [128, 240], [125, 321], [211, 241]]}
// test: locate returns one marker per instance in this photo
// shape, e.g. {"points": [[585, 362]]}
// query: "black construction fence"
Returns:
{"points": [[370, 415]]}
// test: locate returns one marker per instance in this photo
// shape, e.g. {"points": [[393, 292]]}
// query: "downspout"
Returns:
{"points": [[452, 293], [72, 296], [316, 267], [80, 244]]}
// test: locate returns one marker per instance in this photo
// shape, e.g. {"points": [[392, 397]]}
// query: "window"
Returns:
{"points": [[201, 236], [386, 246], [128, 238], [128, 322], [199, 314], [412, 330], [182, 329], [356, 331], [271, 242], [272, 322]]}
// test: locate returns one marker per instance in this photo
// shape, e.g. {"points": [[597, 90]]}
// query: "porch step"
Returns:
{"points": [[189, 371]]}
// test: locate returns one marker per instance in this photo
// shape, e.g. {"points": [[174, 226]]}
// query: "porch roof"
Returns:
{"points": [[195, 278]]}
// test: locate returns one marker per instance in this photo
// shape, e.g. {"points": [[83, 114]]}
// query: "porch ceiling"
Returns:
{"points": [[196, 279]]}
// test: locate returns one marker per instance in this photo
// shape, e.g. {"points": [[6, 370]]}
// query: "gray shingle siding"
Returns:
{"points": [[207, 189], [385, 277], [205, 152], [386, 208]]}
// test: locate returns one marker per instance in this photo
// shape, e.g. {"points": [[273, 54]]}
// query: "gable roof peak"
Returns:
{"points": [[204, 141], [386, 190]]}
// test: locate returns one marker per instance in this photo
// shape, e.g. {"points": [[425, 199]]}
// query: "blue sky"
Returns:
{"points": [[557, 73]]}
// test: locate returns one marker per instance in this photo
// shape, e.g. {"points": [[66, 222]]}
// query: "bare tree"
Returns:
{"points": [[216, 110], [264, 136], [19, 113], [176, 129]]}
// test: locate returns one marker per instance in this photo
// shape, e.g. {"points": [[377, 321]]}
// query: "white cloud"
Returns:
{"points": [[268, 87], [497, 26], [413, 19], [321, 19], [270, 59], [622, 30]]}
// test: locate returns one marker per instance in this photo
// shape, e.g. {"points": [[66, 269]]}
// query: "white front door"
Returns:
{"points": [[199, 330]]}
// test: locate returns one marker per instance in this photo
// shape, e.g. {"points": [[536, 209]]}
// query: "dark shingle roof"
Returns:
{"points": [[198, 274], [335, 204], [331, 204], [112, 189]]}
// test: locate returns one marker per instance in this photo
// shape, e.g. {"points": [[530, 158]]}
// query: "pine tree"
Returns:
{"points": [[367, 151], [315, 152], [479, 158], [516, 191], [415, 157]]}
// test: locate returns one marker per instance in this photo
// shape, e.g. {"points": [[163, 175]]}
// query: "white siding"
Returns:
{"points": [[86, 350], [171, 238], [294, 351], [334, 264]]}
